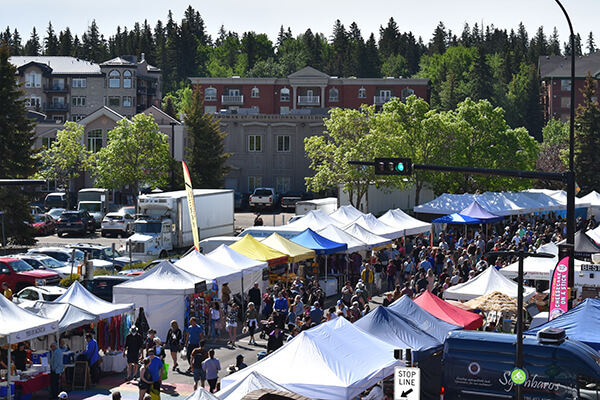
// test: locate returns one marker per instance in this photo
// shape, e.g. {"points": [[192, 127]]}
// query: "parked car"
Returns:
{"points": [[98, 252], [64, 254], [43, 224], [35, 210], [18, 274], [55, 200], [43, 261], [128, 210], [102, 285], [55, 213], [75, 222], [289, 200], [32, 294], [264, 197], [118, 224]]}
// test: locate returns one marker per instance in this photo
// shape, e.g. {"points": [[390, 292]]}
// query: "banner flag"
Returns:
{"points": [[559, 293], [191, 205]]}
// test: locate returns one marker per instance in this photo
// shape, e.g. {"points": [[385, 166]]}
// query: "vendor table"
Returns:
{"points": [[32, 385], [113, 363], [330, 286]]}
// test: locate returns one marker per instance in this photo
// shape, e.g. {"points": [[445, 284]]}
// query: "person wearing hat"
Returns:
{"points": [[93, 358], [389, 299], [133, 351], [63, 396], [239, 362]]}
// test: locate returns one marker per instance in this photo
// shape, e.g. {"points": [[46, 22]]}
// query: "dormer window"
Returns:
{"points": [[255, 93]]}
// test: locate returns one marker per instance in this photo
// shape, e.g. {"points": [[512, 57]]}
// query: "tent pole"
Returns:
{"points": [[8, 375]]}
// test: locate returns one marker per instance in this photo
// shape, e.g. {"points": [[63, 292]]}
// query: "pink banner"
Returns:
{"points": [[559, 293]]}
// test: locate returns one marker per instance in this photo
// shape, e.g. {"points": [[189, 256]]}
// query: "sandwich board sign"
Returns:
{"points": [[407, 383]]}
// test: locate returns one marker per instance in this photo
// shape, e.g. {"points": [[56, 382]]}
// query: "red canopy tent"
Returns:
{"points": [[447, 312]]}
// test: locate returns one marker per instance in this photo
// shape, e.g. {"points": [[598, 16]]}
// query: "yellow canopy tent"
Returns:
{"points": [[295, 251], [250, 247]]}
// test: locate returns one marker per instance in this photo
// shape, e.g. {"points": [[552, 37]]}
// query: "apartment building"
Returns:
{"points": [[69, 89], [267, 119]]}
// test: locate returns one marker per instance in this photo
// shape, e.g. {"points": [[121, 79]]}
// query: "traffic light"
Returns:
{"points": [[393, 166]]}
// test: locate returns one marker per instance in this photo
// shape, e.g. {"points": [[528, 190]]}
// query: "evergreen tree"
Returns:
{"points": [[439, 40], [93, 45], [388, 39], [65, 43], [591, 44], [204, 153], [168, 106], [50, 42], [33, 46], [16, 48], [587, 138], [480, 78], [16, 147], [554, 44], [372, 63]]}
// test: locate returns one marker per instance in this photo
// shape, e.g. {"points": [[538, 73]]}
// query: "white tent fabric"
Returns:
{"points": [[537, 268], [497, 203], [372, 224], [447, 204], [487, 282], [326, 362], [17, 324], [549, 203], [397, 218], [161, 291], [338, 235], [593, 198], [80, 297], [523, 201], [561, 197], [251, 269], [202, 394], [200, 265], [253, 381], [68, 316], [346, 214], [314, 219], [364, 235], [594, 234]]}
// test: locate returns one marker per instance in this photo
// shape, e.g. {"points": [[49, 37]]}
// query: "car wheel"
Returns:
{"points": [[102, 233], [60, 234], [163, 254]]}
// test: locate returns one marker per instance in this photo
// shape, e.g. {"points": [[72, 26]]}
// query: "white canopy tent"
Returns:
{"points": [[594, 234], [537, 268], [161, 291], [253, 381], [202, 394], [523, 201], [200, 265], [372, 240], [338, 235], [561, 197], [80, 297], [346, 214], [68, 316], [372, 224], [397, 218], [314, 219], [594, 199], [326, 362], [252, 270], [487, 282]]}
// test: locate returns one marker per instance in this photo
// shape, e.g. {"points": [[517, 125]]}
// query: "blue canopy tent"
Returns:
{"points": [[321, 245], [432, 325], [471, 215], [581, 323], [456, 218]]}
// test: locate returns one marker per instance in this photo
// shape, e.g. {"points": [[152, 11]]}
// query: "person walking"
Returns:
{"points": [[216, 323], [173, 340], [156, 370], [56, 369], [193, 335], [6, 291], [145, 382], [198, 356], [212, 366], [254, 296], [232, 317], [133, 350], [251, 321]]}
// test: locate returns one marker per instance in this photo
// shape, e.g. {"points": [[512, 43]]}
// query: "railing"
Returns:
{"points": [[378, 100], [56, 88], [228, 99], [309, 100], [56, 107]]}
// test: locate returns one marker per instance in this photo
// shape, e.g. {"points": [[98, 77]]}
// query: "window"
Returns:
{"points": [[78, 101], [565, 102], [33, 101], [385, 94], [127, 102], [284, 110], [285, 94], [47, 142], [77, 117], [127, 80], [58, 83], [210, 94], [283, 184], [255, 92], [114, 79], [58, 118], [210, 109], [94, 140], [406, 93], [79, 82], [255, 143], [254, 182], [33, 79], [565, 85], [114, 101], [283, 143], [334, 95], [362, 93]]}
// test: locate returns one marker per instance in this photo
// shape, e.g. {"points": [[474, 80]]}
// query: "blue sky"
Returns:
{"points": [[266, 16]]}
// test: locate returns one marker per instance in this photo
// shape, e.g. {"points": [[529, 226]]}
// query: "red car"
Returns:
{"points": [[43, 224], [18, 274]]}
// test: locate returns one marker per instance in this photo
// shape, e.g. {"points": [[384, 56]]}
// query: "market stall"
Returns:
{"points": [[252, 248], [397, 218], [346, 214], [373, 241], [447, 312], [372, 224], [252, 269], [19, 325], [295, 252]]}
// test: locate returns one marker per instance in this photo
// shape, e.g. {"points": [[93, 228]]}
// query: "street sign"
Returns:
{"points": [[407, 383]]}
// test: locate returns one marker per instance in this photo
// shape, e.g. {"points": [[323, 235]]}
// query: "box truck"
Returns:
{"points": [[164, 221], [94, 201]]}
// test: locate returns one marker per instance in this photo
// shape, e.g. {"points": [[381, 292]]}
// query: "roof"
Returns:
{"points": [[118, 61], [560, 66], [59, 65]]}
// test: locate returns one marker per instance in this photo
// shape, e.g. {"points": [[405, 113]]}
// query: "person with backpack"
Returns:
{"points": [[199, 354]]}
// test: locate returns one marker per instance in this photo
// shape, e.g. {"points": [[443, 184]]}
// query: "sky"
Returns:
{"points": [[266, 16]]}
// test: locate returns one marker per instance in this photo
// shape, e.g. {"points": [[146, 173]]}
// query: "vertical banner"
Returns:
{"points": [[559, 293], [191, 205]]}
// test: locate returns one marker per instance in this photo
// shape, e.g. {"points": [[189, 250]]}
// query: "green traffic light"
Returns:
{"points": [[400, 167]]}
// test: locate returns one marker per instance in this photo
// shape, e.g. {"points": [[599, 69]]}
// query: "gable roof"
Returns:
{"points": [[160, 117], [101, 112]]}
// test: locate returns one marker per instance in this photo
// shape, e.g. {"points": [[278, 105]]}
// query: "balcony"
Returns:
{"points": [[56, 107], [379, 100], [56, 88], [232, 100], [309, 100]]}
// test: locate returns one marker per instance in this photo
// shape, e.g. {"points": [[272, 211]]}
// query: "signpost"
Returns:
{"points": [[407, 383]]}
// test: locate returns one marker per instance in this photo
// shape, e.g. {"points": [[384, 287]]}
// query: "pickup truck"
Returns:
{"points": [[264, 197], [289, 200], [18, 274]]}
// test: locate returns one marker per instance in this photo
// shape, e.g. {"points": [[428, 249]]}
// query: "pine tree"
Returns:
{"points": [[388, 39], [50, 42], [204, 154], [587, 138], [439, 40], [591, 44], [16, 49], [554, 44], [480, 79], [65, 43], [33, 46]]}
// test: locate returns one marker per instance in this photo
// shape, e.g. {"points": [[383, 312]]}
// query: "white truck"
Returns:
{"points": [[328, 205], [164, 223], [264, 197], [94, 201]]}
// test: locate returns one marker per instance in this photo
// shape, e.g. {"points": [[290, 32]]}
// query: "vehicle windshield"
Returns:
{"points": [[148, 227], [20, 266], [51, 297], [55, 212], [112, 254], [90, 207], [39, 218], [52, 263]]}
